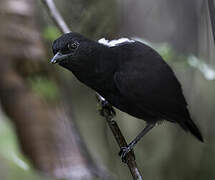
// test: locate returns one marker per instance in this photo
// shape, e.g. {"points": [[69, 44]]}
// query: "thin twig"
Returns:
{"points": [[212, 16], [130, 157], [56, 16], [108, 112]]}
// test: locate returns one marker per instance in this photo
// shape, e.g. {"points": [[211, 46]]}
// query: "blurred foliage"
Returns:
{"points": [[181, 61], [51, 33], [95, 19], [11, 157], [178, 60], [45, 88]]}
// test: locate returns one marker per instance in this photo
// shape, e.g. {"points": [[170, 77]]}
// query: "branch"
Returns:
{"points": [[56, 16], [212, 16], [108, 112]]}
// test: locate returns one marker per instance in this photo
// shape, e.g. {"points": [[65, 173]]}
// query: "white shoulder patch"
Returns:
{"points": [[113, 43]]}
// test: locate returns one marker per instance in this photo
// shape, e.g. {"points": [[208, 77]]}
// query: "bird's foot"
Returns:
{"points": [[107, 109], [123, 153]]}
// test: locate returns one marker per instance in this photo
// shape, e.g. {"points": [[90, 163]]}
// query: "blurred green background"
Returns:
{"points": [[180, 31]]}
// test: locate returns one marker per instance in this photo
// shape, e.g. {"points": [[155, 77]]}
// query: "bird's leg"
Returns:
{"points": [[106, 108], [124, 150]]}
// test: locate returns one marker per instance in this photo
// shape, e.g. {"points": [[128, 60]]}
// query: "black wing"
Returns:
{"points": [[147, 81]]}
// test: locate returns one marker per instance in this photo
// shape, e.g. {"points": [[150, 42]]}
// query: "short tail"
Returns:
{"points": [[189, 125]]}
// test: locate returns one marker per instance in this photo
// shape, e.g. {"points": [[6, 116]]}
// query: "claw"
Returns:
{"points": [[107, 108], [105, 104], [123, 153]]}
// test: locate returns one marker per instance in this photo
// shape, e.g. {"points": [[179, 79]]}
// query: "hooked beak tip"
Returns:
{"points": [[53, 61], [56, 58]]}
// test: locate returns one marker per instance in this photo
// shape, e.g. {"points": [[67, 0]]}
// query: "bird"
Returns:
{"points": [[129, 75]]}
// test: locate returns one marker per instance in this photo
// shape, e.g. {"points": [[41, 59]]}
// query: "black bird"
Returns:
{"points": [[130, 75]]}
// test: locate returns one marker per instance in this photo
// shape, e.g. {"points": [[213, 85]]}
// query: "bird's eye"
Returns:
{"points": [[72, 46]]}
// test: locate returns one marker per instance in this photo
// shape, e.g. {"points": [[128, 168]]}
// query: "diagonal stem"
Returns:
{"points": [[108, 113], [56, 16]]}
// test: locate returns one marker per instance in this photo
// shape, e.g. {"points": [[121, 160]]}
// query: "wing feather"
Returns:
{"points": [[150, 84]]}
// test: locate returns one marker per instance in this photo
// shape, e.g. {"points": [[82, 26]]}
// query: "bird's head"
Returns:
{"points": [[64, 48], [84, 57], [73, 49]]}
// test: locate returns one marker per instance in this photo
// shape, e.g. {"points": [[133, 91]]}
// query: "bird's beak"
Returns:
{"points": [[58, 57]]}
